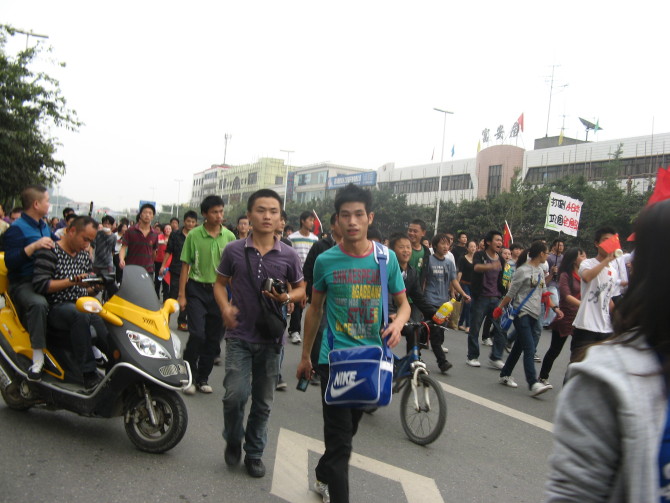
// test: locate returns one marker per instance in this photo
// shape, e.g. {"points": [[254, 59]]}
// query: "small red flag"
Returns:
{"points": [[317, 224], [507, 236], [661, 191], [520, 121], [611, 245]]}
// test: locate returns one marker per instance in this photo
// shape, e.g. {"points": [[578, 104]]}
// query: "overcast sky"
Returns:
{"points": [[159, 84]]}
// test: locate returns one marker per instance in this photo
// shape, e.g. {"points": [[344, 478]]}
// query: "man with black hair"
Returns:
{"points": [[200, 254], [460, 248], [61, 230], [173, 251], [174, 223], [253, 358], [103, 245], [242, 228], [487, 290], [139, 243], [303, 239], [63, 222], [416, 232], [25, 236], [354, 314]]}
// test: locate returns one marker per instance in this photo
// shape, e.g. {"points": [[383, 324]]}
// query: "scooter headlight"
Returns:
{"points": [[147, 346], [176, 344]]}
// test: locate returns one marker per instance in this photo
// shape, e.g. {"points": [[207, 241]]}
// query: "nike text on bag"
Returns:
{"points": [[362, 376], [506, 319]]}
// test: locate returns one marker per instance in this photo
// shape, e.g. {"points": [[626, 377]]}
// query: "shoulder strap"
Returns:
{"points": [[539, 278], [251, 277], [381, 256]]}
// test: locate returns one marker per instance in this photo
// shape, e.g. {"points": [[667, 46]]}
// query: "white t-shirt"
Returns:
{"points": [[594, 311]]}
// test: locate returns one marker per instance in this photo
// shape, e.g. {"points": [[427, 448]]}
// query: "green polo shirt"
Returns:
{"points": [[203, 253]]}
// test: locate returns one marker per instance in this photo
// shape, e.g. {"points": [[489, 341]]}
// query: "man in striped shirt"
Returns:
{"points": [[303, 240]]}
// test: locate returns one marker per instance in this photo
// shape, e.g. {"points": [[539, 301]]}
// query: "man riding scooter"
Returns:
{"points": [[59, 274]]}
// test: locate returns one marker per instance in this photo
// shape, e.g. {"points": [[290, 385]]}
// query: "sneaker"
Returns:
{"points": [[496, 364], [445, 349], [538, 388], [537, 359], [255, 467], [315, 380], [508, 381], [35, 373], [294, 337], [508, 348], [487, 342], [232, 454], [190, 390], [473, 363], [204, 387], [546, 383], [182, 327], [445, 366], [322, 489], [218, 361], [91, 380], [462, 328], [281, 385]]}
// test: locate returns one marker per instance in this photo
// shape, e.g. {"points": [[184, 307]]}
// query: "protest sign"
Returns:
{"points": [[563, 214]]}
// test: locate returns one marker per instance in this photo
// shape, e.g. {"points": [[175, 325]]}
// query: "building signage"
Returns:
{"points": [[364, 179], [563, 214]]}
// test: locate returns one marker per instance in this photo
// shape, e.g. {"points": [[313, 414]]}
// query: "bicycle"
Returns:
{"points": [[423, 406]]}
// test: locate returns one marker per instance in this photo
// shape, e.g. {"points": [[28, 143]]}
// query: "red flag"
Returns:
{"points": [[317, 224], [507, 236], [520, 121], [661, 191], [611, 245]]}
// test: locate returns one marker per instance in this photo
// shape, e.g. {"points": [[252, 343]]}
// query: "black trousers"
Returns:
{"points": [[339, 427], [205, 327], [583, 338], [557, 343], [174, 293], [296, 318]]}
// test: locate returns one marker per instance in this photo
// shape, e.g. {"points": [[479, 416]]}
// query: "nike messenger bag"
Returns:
{"points": [[362, 376]]}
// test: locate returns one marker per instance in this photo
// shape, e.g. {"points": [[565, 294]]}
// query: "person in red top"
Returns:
{"points": [[139, 243], [158, 261], [569, 292]]}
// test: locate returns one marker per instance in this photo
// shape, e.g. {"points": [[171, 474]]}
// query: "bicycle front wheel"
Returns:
{"points": [[423, 420]]}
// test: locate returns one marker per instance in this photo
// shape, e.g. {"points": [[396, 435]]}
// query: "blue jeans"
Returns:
{"points": [[525, 341], [251, 369], [482, 307]]}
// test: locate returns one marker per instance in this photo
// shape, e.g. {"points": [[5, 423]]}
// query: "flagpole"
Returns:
{"points": [[439, 173]]}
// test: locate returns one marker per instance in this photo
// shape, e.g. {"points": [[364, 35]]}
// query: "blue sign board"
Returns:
{"points": [[363, 179]]}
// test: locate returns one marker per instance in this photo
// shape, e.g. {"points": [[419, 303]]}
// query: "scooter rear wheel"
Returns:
{"points": [[12, 397], [171, 416]]}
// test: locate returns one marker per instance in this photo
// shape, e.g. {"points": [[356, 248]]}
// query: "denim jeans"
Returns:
{"points": [[205, 329], [251, 369], [525, 341], [482, 307]]}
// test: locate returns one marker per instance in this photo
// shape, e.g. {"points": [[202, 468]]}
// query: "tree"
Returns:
{"points": [[31, 105]]}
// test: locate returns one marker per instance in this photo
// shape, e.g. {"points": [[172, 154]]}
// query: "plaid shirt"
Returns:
{"points": [[140, 248]]}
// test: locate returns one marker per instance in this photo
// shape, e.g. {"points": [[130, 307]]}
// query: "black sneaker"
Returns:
{"points": [[91, 380], [232, 454], [34, 375], [444, 367], [255, 467]]}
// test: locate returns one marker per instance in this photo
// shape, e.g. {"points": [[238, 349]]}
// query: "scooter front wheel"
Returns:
{"points": [[13, 398], [171, 421]]}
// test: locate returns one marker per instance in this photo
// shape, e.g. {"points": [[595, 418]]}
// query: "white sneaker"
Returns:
{"points": [[322, 489], [538, 388], [496, 364], [537, 359], [204, 388], [508, 381], [190, 390], [281, 385], [294, 337], [445, 349], [473, 363], [546, 383], [487, 342]]}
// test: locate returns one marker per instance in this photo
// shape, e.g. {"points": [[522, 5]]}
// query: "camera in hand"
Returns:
{"points": [[278, 286]]}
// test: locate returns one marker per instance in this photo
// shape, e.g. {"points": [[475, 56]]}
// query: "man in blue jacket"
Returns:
{"points": [[24, 237]]}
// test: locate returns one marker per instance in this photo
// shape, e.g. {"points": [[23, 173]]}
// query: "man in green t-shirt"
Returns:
{"points": [[200, 255], [346, 277]]}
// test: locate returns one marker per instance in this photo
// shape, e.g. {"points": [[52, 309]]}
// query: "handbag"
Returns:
{"points": [[269, 324], [509, 312], [362, 376]]}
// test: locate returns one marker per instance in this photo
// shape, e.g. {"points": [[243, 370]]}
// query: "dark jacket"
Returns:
{"points": [[480, 257], [414, 293], [308, 268]]}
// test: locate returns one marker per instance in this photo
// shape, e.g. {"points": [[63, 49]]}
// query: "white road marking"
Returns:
{"points": [[503, 409], [291, 479]]}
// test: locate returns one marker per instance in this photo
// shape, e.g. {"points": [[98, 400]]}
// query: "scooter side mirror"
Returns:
{"points": [[92, 305], [170, 306]]}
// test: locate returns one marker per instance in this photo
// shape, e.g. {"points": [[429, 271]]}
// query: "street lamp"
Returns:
{"points": [[439, 173], [288, 163]]}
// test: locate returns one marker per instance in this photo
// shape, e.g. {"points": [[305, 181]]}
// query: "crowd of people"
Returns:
{"points": [[228, 281]]}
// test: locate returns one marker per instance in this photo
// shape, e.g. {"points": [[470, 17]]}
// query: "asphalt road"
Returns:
{"points": [[494, 448]]}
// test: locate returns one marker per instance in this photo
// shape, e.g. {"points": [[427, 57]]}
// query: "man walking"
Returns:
{"points": [[201, 253], [420, 253], [346, 278], [303, 239], [252, 358]]}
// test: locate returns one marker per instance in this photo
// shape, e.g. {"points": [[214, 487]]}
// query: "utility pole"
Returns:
{"points": [[226, 137], [29, 34]]}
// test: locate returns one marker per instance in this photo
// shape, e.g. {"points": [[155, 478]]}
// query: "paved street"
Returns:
{"points": [[494, 448]]}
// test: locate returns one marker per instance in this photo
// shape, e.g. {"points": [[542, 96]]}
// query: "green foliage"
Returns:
{"points": [[31, 105]]}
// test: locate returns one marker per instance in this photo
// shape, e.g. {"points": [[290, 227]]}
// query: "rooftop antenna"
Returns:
{"points": [[590, 125]]}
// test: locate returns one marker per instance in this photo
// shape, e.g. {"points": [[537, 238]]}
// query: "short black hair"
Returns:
{"points": [[174, 219], [191, 214], [514, 246], [144, 207], [210, 202], [108, 219], [80, 222], [374, 234], [460, 233], [393, 240], [262, 193], [242, 217], [602, 231], [70, 216], [305, 215], [333, 218], [490, 235], [31, 194], [419, 222], [283, 216], [353, 194], [67, 210], [440, 236]]}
